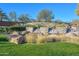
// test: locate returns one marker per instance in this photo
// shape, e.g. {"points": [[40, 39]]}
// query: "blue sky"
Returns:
{"points": [[62, 11]]}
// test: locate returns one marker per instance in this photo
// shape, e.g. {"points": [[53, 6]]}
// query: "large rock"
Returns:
{"points": [[16, 38], [72, 34], [30, 29], [43, 30], [21, 40]]}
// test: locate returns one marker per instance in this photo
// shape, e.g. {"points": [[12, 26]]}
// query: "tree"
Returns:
{"points": [[75, 22], [59, 21], [77, 9], [13, 15], [24, 18], [3, 15], [45, 15]]}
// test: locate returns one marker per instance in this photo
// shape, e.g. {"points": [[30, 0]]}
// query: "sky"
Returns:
{"points": [[62, 11]]}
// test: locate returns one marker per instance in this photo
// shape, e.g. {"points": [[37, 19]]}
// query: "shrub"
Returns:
{"points": [[3, 38], [38, 26], [17, 28], [2, 30]]}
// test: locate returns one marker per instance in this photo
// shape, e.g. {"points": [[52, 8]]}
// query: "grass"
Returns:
{"points": [[42, 49], [46, 49]]}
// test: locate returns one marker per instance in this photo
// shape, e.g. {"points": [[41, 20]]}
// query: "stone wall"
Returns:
{"points": [[29, 29], [44, 29]]}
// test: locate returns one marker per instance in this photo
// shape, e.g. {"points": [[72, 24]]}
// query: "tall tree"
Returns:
{"points": [[75, 21], [13, 15], [59, 21], [3, 15], [45, 15], [24, 18]]}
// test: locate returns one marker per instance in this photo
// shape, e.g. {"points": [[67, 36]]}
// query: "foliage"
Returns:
{"points": [[24, 18], [2, 29], [12, 15], [3, 37], [3, 15], [45, 15], [76, 21], [38, 26], [77, 12], [18, 28]]}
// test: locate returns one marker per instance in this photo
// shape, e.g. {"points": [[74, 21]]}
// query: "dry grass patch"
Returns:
{"points": [[53, 38], [41, 39], [31, 37], [63, 38]]}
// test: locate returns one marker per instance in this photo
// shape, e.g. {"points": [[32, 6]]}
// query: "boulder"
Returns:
{"points": [[21, 40], [16, 38]]}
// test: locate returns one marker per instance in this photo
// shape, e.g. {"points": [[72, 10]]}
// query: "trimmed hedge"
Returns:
{"points": [[38, 26], [17, 28], [3, 38], [2, 29]]}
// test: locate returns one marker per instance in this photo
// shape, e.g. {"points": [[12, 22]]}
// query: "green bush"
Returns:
{"points": [[2, 30], [38, 26], [3, 38], [17, 28], [29, 25]]}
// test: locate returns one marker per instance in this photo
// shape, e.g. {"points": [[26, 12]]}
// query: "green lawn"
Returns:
{"points": [[48, 49]]}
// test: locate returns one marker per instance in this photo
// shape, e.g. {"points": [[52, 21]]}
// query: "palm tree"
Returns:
{"points": [[2, 15]]}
